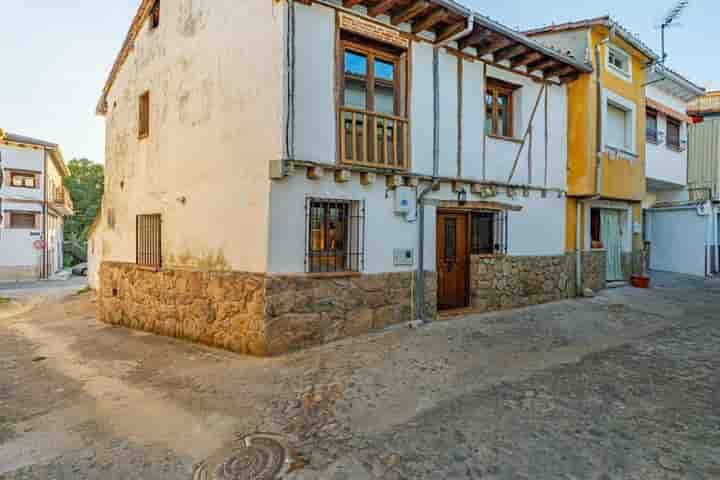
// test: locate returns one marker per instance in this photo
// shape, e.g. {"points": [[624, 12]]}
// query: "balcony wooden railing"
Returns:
{"points": [[373, 139], [61, 196]]}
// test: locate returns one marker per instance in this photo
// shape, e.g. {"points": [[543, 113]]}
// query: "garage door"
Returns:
{"points": [[677, 241]]}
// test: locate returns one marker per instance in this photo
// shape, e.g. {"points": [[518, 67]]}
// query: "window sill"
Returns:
{"points": [[673, 148], [143, 136], [502, 137], [653, 141], [148, 268], [619, 73], [609, 149], [328, 275]]}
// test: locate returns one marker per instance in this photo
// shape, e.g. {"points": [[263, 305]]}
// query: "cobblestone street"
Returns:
{"points": [[620, 386]]}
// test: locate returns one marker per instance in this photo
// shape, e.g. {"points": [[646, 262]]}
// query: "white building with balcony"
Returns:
{"points": [[33, 204], [676, 226]]}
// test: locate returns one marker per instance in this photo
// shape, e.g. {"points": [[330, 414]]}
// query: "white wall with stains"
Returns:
{"points": [[214, 70]]}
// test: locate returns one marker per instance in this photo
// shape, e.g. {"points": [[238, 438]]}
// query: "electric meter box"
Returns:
{"points": [[404, 200]]}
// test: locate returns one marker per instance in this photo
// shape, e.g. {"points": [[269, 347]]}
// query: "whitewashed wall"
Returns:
{"points": [[215, 73], [16, 246], [316, 120], [539, 229], [661, 162]]}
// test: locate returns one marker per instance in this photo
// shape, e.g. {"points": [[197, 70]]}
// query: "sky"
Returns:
{"points": [[57, 55]]}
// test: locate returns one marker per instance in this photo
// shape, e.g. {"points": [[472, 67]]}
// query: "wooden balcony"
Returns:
{"points": [[62, 201], [374, 139]]}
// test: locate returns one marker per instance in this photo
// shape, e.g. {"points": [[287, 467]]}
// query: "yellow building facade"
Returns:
{"points": [[606, 141]]}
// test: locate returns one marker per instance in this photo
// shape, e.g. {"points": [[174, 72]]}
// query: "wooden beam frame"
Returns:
{"points": [[558, 71], [427, 22], [525, 59], [448, 32], [509, 52], [494, 46], [541, 64], [381, 7], [475, 39], [410, 12], [352, 3]]}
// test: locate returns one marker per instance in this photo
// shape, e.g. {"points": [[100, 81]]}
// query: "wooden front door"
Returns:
{"points": [[453, 260]]}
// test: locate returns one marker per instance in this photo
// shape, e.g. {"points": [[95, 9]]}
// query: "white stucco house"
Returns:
{"points": [[676, 226], [33, 204], [344, 165]]}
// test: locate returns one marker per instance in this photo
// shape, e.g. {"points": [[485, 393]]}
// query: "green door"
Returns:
{"points": [[611, 236]]}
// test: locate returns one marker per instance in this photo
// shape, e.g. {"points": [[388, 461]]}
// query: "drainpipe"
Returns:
{"points": [[290, 59], [44, 270], [598, 160], [420, 275]]}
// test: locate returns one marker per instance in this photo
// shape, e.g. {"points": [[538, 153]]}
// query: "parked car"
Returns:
{"points": [[80, 269]]}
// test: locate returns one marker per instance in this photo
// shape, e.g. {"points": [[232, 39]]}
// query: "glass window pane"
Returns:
{"points": [[503, 116], [384, 87], [489, 113], [355, 64], [355, 80]]}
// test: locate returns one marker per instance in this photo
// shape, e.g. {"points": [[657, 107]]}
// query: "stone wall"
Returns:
{"points": [[17, 274], [594, 269], [215, 308], [254, 313], [304, 311], [499, 283]]}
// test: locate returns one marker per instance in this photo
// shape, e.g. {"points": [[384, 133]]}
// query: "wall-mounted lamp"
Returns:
{"points": [[462, 197]]}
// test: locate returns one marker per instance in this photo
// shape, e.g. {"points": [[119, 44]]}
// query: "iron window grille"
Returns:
{"points": [[489, 232], [334, 235], [148, 249]]}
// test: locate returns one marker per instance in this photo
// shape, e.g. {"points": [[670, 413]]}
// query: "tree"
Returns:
{"points": [[85, 183]]}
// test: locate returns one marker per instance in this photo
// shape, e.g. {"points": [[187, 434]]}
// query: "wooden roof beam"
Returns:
{"points": [[558, 71], [541, 65], [410, 12], [523, 60], [475, 39], [429, 21], [569, 78], [494, 46], [381, 7], [352, 3], [453, 29], [509, 52]]}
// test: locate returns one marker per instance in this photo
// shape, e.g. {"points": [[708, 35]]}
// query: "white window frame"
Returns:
{"points": [[630, 107], [627, 76]]}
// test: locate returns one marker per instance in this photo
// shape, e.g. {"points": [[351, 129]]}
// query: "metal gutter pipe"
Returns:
{"points": [[420, 276]]}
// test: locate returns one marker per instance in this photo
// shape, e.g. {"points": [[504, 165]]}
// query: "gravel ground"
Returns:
{"points": [[621, 386]]}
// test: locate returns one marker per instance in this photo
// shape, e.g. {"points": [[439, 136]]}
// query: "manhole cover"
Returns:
{"points": [[258, 457]]}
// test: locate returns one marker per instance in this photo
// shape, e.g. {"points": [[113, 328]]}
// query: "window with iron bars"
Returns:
{"points": [[335, 235], [148, 249], [489, 232]]}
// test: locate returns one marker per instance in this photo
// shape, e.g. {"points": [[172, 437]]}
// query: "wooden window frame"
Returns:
{"points": [[654, 139], [148, 241], [372, 53], [144, 115], [26, 174], [677, 147], [494, 88], [12, 214], [400, 58]]}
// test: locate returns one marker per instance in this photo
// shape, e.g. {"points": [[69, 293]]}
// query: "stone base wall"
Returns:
{"points": [[303, 311], [594, 269], [215, 308], [255, 313], [498, 283], [19, 274]]}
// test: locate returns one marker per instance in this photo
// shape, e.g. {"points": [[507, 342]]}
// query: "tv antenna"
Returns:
{"points": [[670, 21]]}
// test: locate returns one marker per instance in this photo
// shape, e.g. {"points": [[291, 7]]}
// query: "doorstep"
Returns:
{"points": [[617, 284]]}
